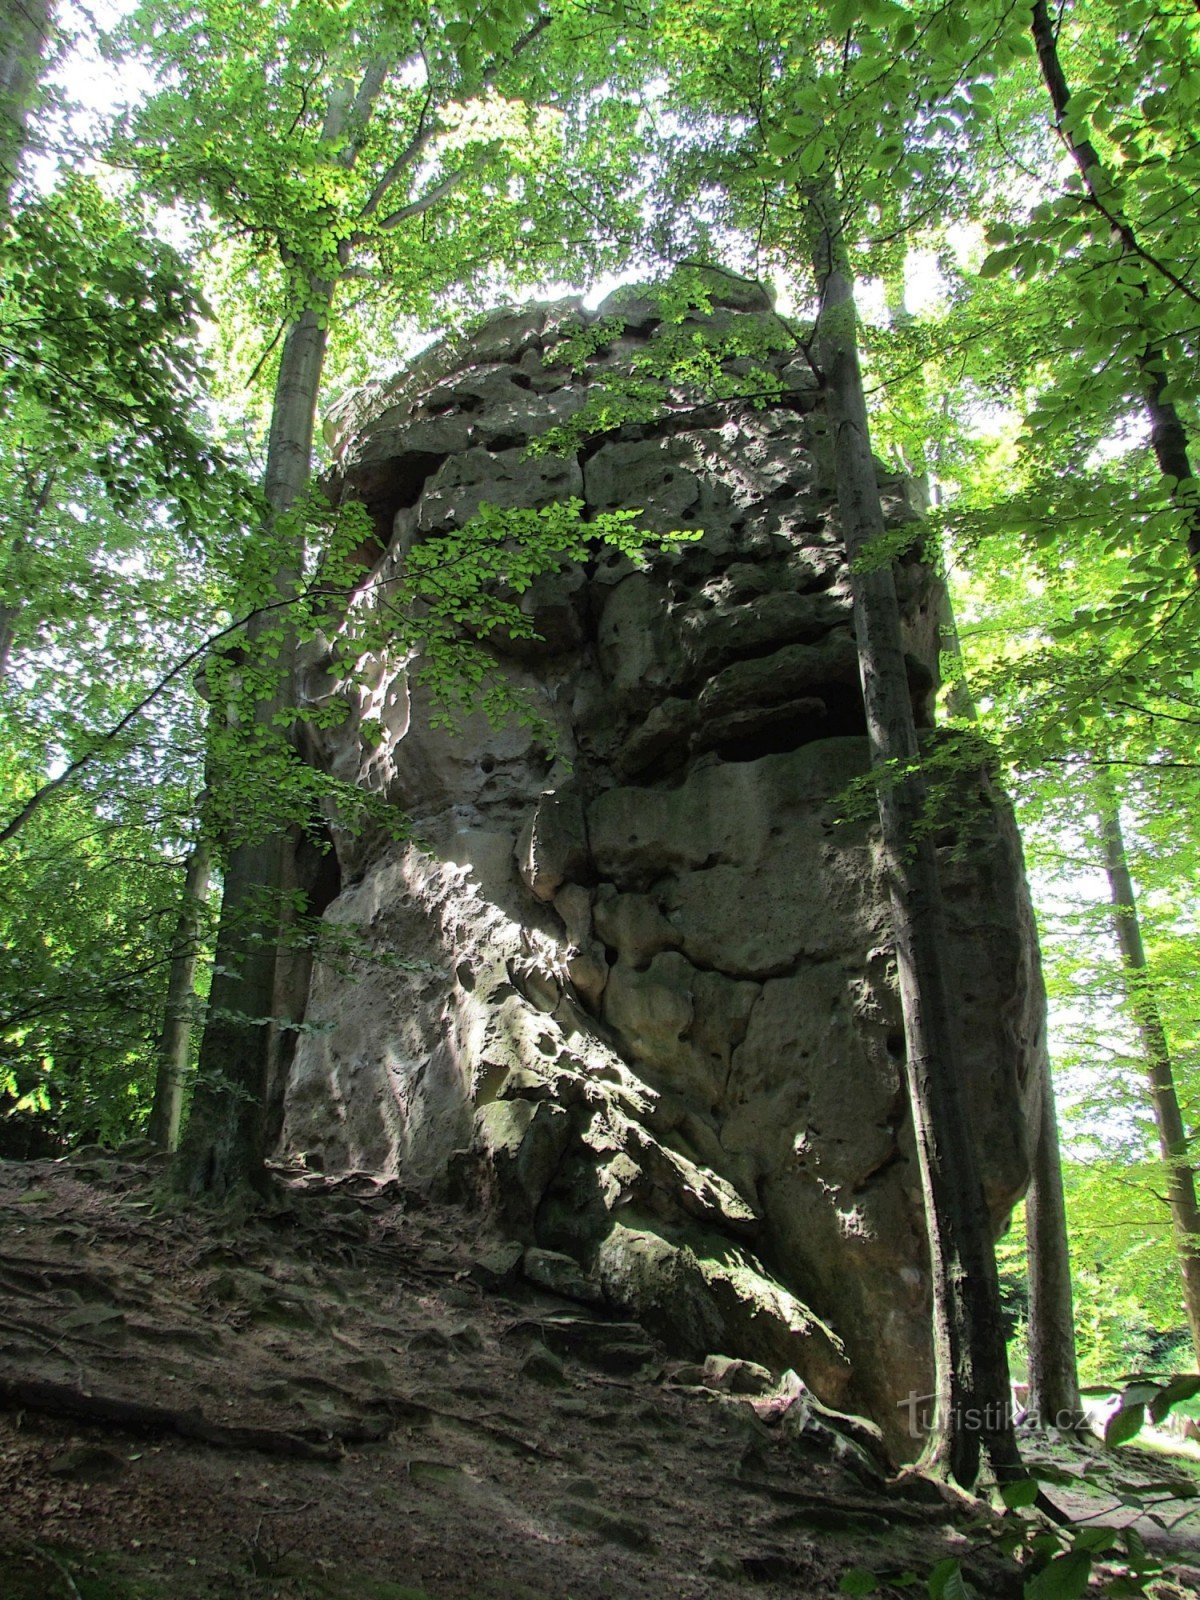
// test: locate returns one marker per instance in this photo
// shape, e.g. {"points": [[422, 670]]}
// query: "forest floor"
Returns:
{"points": [[351, 1395]]}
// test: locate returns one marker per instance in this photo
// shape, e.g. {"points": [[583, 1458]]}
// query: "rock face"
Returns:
{"points": [[630, 987]]}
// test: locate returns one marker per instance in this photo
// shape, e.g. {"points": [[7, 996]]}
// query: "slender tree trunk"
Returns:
{"points": [[240, 1076], [10, 615], [174, 1042], [12, 610], [1054, 1400], [1168, 436], [1169, 441], [1172, 1136], [972, 1414], [24, 30], [225, 1141]]}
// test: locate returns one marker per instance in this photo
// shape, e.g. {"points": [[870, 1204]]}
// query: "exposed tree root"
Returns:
{"points": [[140, 1416]]}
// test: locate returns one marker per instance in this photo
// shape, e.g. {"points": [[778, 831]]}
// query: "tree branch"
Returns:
{"points": [[110, 737], [418, 208]]}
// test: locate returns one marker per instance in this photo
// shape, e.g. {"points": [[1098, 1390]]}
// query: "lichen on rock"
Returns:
{"points": [[628, 983]]}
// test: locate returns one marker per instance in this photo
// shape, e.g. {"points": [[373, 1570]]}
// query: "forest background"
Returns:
{"points": [[1017, 193]]}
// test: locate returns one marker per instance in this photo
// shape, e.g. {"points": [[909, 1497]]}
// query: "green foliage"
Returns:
{"points": [[693, 361], [946, 1581], [1128, 1311], [389, 150], [1146, 1397], [465, 586], [99, 347], [116, 511], [857, 1580], [88, 900]]}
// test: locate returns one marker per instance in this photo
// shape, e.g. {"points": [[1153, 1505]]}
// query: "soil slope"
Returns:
{"points": [[349, 1395]]}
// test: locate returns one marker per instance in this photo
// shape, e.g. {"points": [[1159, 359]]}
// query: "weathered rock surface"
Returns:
{"points": [[630, 986]]}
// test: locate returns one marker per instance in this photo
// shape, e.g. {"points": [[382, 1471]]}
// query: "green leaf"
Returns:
{"points": [[1046, 1472], [1124, 1424], [1184, 1387], [1093, 1540], [857, 1581], [1016, 1496], [1066, 1578], [783, 144], [946, 1581], [999, 261]]}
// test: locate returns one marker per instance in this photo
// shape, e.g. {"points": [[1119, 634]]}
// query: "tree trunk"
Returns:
{"points": [[1172, 1136], [225, 1141], [174, 1042], [1054, 1400], [12, 610], [24, 30], [240, 1079], [10, 615], [972, 1413], [1168, 436], [1169, 441]]}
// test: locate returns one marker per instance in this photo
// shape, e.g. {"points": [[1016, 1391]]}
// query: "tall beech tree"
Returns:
{"points": [[805, 167], [971, 1371], [1106, 490], [1132, 752], [1054, 1398], [173, 1048], [1175, 1145], [412, 145]]}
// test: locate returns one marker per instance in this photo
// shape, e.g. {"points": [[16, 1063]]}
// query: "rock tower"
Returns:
{"points": [[630, 986]]}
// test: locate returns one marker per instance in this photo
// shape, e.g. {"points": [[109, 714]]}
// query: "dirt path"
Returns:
{"points": [[353, 1397]]}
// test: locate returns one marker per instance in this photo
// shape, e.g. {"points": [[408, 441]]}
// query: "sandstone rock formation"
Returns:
{"points": [[630, 987]]}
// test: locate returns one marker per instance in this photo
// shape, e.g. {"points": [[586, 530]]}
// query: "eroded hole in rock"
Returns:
{"points": [[388, 487], [407, 483], [791, 728], [318, 872]]}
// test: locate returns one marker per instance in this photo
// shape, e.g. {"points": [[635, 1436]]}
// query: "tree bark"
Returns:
{"points": [[10, 615], [12, 610], [1054, 1400], [1173, 1141], [225, 1141], [1168, 436], [174, 1042], [972, 1416], [241, 1058], [24, 30]]}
